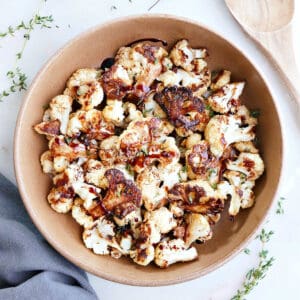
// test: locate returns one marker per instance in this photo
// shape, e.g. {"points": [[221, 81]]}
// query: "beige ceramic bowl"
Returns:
{"points": [[88, 50]]}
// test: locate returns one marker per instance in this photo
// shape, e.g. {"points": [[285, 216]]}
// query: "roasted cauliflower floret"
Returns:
{"points": [[202, 164], [47, 162], [245, 115], [249, 164], [148, 234], [241, 192], [84, 85], [222, 78], [197, 83], [57, 116], [186, 112], [109, 150], [101, 238], [188, 58], [131, 112], [198, 228], [121, 114], [91, 123], [245, 147], [87, 217], [122, 196], [143, 256], [62, 194], [162, 218], [134, 70], [223, 130], [155, 182], [227, 97], [192, 140], [149, 183], [145, 141], [152, 109], [86, 192], [95, 171], [173, 251], [64, 153], [114, 112], [197, 196], [61, 199]]}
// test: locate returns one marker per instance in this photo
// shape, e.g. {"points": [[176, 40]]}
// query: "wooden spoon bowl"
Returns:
{"points": [[269, 23], [89, 50]]}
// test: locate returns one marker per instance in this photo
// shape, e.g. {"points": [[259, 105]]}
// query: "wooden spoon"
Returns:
{"points": [[268, 22]]}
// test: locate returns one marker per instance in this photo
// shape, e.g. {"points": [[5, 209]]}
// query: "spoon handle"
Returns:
{"points": [[278, 46]]}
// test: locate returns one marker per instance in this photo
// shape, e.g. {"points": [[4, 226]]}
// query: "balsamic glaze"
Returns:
{"points": [[107, 63]]}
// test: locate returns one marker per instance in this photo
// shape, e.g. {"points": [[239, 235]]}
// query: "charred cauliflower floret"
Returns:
{"points": [[245, 147], [64, 153], [173, 251], [242, 195], [122, 196], [109, 151], [152, 109], [101, 238], [202, 164], [84, 86], [226, 98], [87, 217], [192, 140], [121, 114], [113, 112], [249, 164], [143, 256], [149, 183], [188, 58], [91, 123], [197, 83], [155, 182], [186, 112], [47, 162], [197, 196], [198, 229], [145, 141], [245, 115], [162, 218], [95, 171], [134, 70], [223, 130], [57, 116], [62, 194], [222, 78]]}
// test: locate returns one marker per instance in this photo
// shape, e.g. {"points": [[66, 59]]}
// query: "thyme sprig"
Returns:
{"points": [[256, 274], [16, 77], [280, 209]]}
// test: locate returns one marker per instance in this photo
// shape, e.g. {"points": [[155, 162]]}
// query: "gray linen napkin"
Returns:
{"points": [[29, 267]]}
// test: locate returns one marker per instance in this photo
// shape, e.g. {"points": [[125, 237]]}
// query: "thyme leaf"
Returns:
{"points": [[16, 77], [256, 274], [280, 210]]}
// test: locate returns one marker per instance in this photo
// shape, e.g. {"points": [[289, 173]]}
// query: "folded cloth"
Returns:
{"points": [[29, 267]]}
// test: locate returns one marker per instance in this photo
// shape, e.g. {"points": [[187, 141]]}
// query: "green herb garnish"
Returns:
{"points": [[255, 113], [280, 210], [255, 275]]}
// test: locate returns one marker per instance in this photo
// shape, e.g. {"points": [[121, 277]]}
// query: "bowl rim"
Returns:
{"points": [[34, 217]]}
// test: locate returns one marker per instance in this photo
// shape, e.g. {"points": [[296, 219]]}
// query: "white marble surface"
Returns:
{"points": [[282, 280]]}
